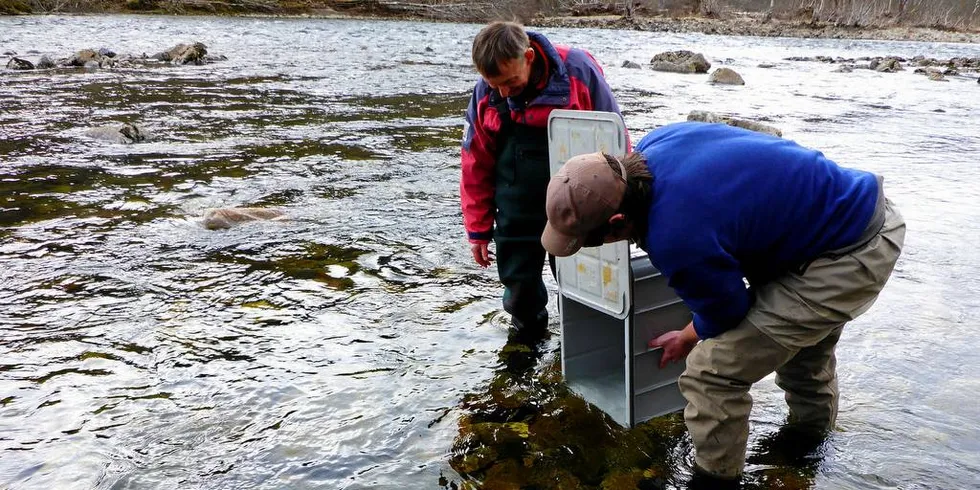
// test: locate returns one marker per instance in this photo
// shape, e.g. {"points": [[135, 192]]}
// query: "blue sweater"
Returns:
{"points": [[730, 204]]}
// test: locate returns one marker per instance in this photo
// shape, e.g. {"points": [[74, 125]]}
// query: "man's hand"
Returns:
{"points": [[481, 254], [677, 344]]}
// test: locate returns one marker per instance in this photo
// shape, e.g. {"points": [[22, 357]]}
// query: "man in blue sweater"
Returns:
{"points": [[771, 245]]}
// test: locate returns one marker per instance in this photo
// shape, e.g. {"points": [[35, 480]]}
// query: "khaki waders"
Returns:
{"points": [[792, 329]]}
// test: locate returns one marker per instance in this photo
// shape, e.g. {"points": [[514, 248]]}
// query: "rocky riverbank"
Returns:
{"points": [[746, 24]]}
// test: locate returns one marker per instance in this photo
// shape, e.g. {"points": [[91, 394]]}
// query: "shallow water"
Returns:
{"points": [[353, 345]]}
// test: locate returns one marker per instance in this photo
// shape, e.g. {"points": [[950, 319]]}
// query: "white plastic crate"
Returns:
{"points": [[612, 303]]}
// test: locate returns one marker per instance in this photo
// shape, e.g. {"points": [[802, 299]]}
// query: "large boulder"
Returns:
{"points": [[726, 76], [223, 218], [124, 133], [710, 117], [680, 62]]}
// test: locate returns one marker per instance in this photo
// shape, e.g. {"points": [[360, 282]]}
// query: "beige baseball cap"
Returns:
{"points": [[582, 196]]}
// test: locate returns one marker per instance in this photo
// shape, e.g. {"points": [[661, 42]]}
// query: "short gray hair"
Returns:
{"points": [[499, 41]]}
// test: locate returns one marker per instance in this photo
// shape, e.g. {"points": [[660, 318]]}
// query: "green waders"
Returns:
{"points": [[522, 175]]}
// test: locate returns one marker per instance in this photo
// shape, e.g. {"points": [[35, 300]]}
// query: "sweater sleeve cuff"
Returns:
{"points": [[479, 237], [704, 328]]}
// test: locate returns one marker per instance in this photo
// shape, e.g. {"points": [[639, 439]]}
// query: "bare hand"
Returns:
{"points": [[677, 344], [481, 254]]}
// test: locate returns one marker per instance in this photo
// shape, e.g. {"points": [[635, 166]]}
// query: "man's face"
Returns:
{"points": [[513, 75], [617, 228]]}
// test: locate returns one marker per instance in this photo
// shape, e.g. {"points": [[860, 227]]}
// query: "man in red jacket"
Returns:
{"points": [[505, 170]]}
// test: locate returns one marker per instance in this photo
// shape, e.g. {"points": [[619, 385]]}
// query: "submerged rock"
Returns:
{"points": [[631, 64], [726, 76], [710, 117], [223, 218], [933, 74], [19, 64], [45, 63], [680, 62], [125, 133]]}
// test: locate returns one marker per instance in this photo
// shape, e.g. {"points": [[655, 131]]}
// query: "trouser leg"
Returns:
{"points": [[520, 263], [720, 371], [810, 382]]}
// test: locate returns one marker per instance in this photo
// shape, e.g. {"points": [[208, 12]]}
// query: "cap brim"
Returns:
{"points": [[559, 244]]}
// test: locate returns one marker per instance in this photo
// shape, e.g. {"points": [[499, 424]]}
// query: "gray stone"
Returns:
{"points": [[223, 218], [680, 62], [726, 76], [19, 64], [83, 57], [631, 64], [125, 133], [710, 117], [183, 54], [887, 65], [44, 63], [671, 67]]}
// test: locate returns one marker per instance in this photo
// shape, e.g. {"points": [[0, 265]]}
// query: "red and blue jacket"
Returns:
{"points": [[575, 81]]}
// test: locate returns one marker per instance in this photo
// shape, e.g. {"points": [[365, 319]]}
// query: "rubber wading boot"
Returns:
{"points": [[529, 332]]}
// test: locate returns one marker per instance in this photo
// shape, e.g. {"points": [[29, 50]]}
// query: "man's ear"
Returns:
{"points": [[529, 54], [618, 221]]}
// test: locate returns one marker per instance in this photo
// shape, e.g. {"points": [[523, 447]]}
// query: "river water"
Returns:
{"points": [[352, 345]]}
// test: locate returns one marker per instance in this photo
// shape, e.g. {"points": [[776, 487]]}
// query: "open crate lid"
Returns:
{"points": [[598, 277]]}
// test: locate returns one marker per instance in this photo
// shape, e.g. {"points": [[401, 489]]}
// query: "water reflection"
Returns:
{"points": [[526, 430]]}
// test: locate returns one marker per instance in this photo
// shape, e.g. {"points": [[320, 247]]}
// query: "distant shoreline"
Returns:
{"points": [[740, 24], [753, 25]]}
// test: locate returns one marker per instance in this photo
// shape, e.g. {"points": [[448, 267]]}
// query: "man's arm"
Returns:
{"points": [[715, 292], [476, 186]]}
